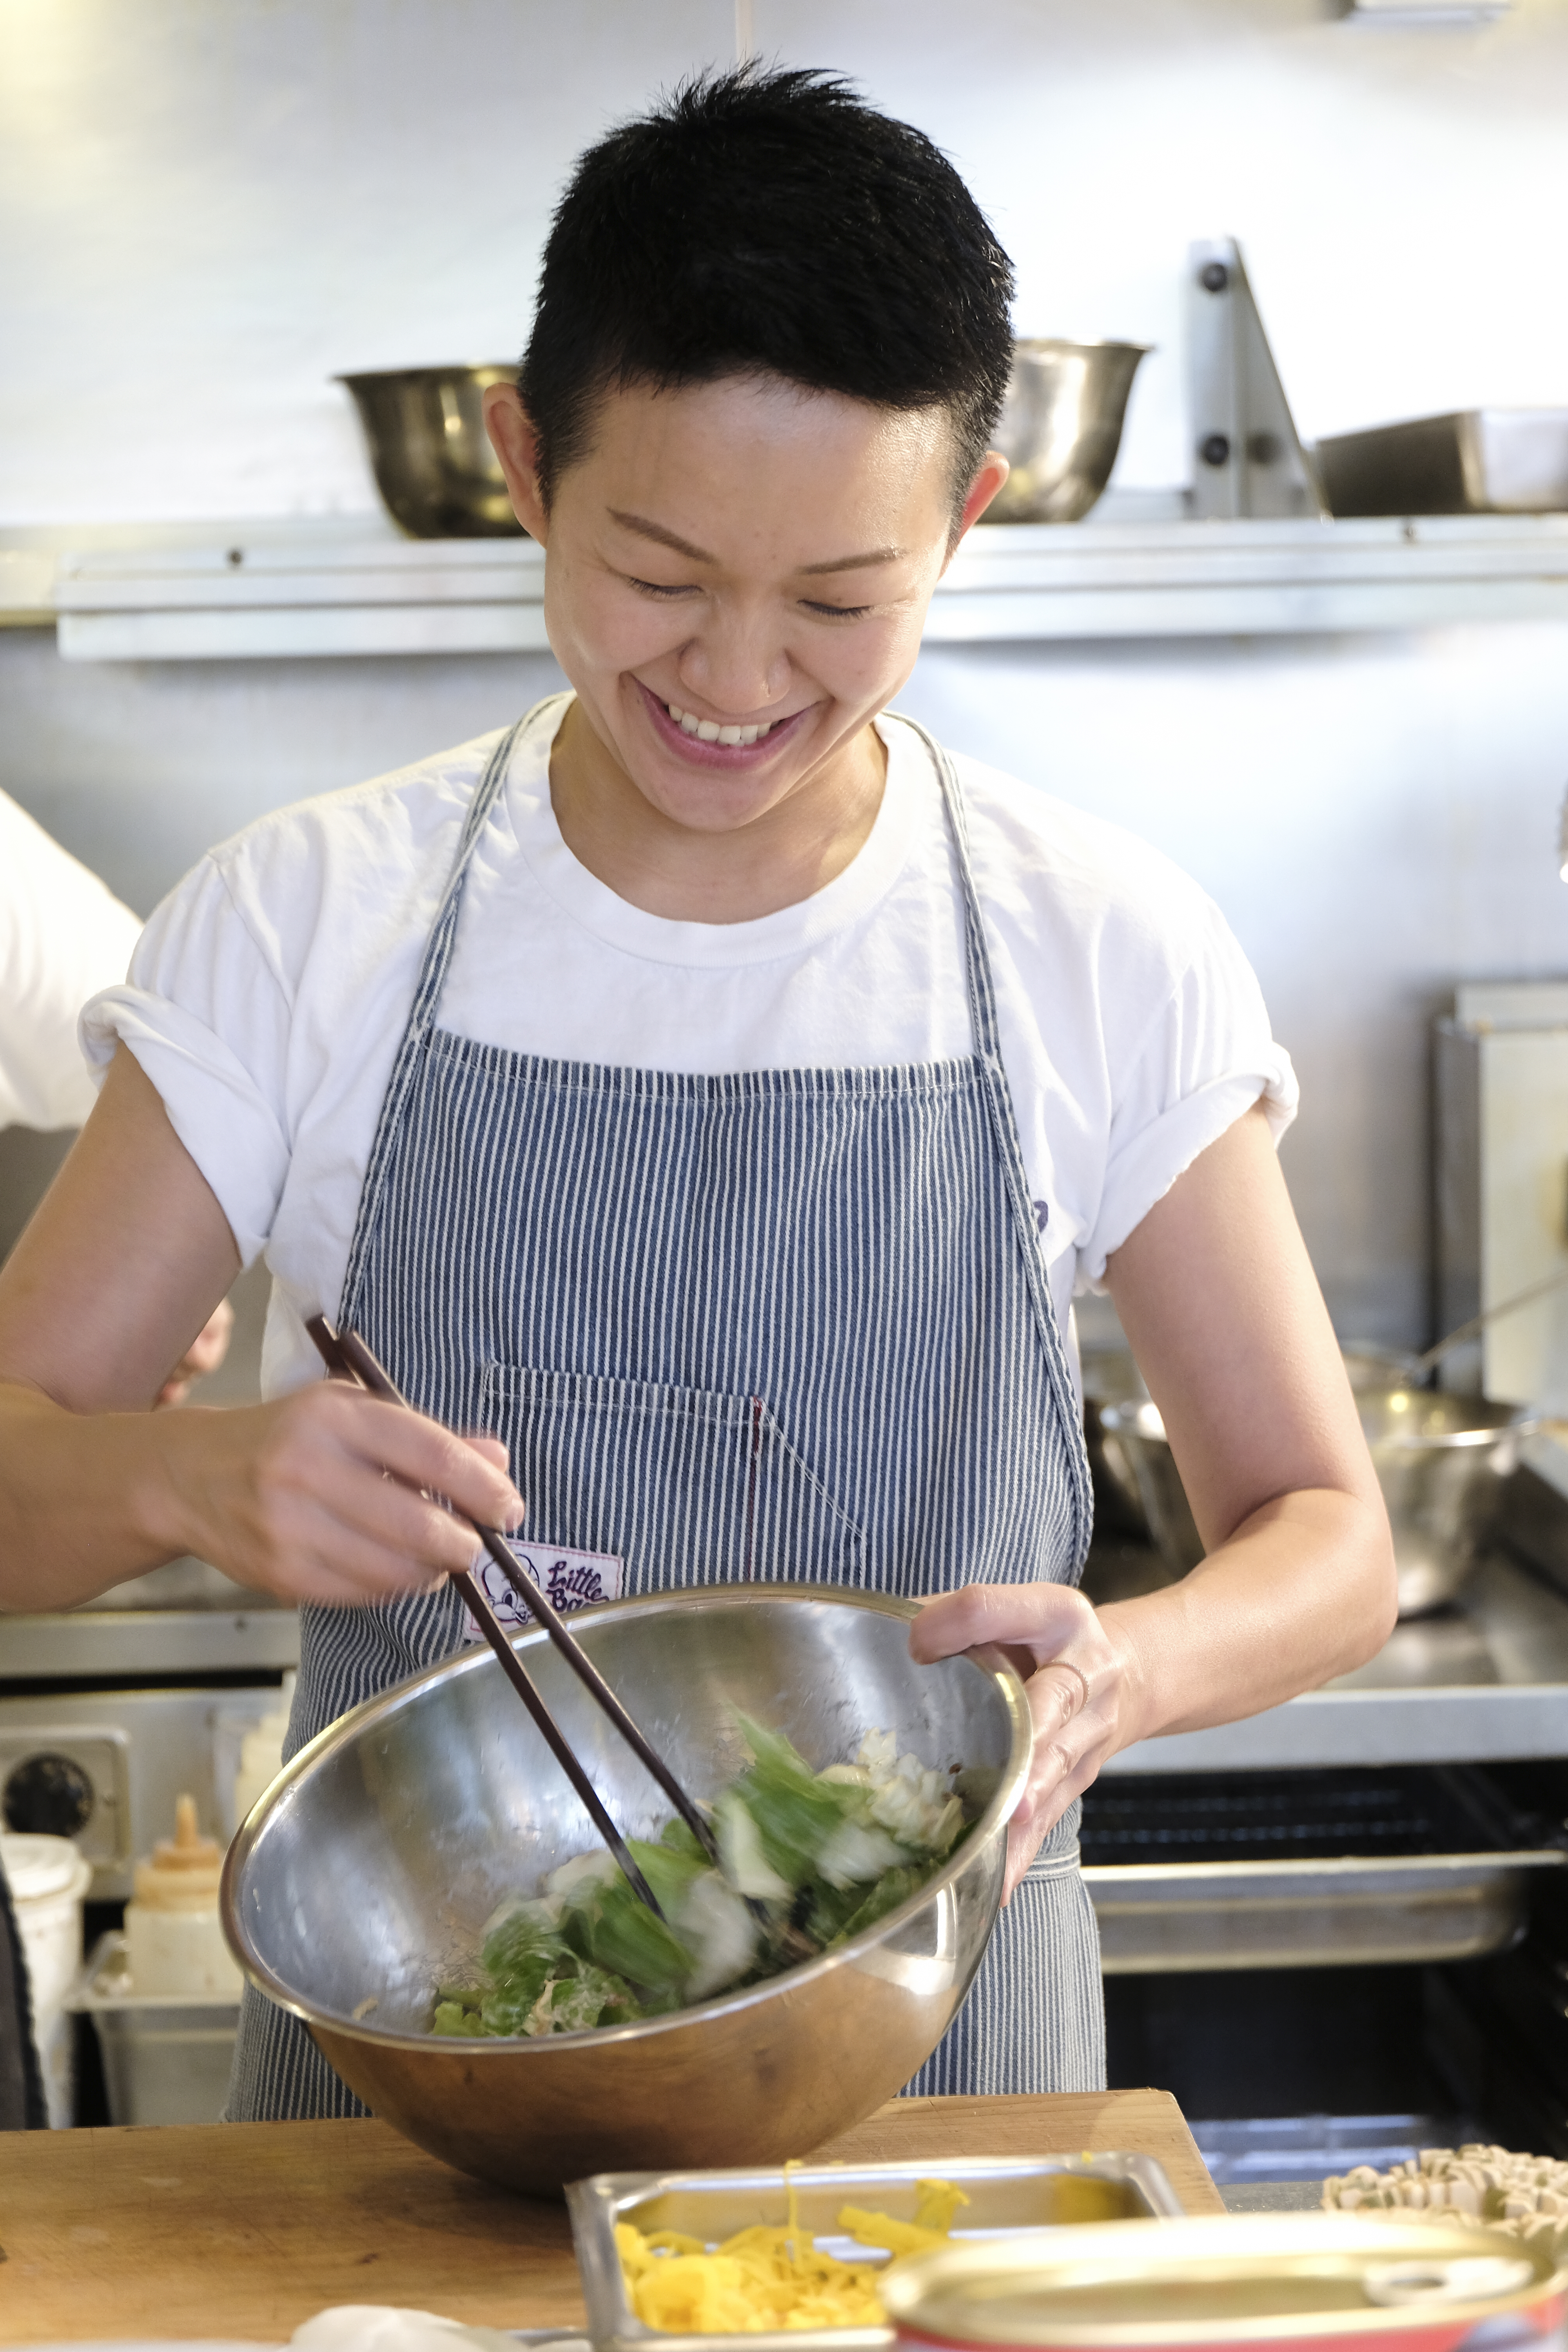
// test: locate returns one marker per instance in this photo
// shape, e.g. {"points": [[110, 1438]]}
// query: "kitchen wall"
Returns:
{"points": [[213, 204], [225, 200]]}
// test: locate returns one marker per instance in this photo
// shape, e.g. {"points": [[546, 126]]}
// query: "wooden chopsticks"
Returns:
{"points": [[347, 1357]]}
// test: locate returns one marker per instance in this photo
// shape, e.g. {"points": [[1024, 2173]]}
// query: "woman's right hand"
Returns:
{"points": [[326, 1495]]}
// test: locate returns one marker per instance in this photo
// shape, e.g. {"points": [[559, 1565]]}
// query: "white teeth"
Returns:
{"points": [[708, 730]]}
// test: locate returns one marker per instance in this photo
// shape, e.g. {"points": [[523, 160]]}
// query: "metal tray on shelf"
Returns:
{"points": [[1005, 2195], [1476, 461]]}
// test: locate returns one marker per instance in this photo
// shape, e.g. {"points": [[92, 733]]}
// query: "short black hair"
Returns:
{"points": [[769, 221]]}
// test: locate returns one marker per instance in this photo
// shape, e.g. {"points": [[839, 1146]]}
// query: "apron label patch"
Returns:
{"points": [[568, 1579]]}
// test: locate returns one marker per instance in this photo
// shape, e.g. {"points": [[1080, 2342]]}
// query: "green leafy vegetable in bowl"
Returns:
{"points": [[820, 1855]]}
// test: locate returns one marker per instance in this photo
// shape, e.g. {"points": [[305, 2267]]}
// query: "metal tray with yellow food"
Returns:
{"points": [[994, 2198]]}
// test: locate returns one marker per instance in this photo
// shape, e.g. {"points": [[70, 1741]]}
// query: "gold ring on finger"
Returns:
{"points": [[1079, 1677]]}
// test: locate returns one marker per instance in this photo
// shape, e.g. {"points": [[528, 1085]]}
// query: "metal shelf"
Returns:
{"points": [[262, 593]]}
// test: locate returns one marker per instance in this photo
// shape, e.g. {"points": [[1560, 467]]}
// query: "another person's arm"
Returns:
{"points": [[63, 936], [205, 1354], [321, 1494], [1217, 1296]]}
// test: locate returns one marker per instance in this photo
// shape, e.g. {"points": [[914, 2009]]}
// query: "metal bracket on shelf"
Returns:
{"points": [[1247, 458], [1423, 11]]}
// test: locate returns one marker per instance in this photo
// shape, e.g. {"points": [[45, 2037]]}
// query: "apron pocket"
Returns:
{"points": [[683, 1486]]}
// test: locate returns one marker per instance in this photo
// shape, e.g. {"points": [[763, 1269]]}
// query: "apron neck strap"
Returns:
{"points": [[442, 941], [433, 968], [977, 961]]}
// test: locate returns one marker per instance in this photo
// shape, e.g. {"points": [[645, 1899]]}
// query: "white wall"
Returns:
{"points": [[1377, 816], [210, 205], [207, 205]]}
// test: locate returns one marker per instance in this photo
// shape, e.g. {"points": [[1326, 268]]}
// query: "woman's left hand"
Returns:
{"points": [[205, 1354], [1077, 1677]]}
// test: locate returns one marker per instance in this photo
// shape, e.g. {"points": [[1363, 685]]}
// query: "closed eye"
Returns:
{"points": [[838, 612], [658, 588]]}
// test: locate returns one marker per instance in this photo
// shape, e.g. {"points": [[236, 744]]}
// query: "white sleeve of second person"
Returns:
{"points": [[63, 936], [205, 1013]]}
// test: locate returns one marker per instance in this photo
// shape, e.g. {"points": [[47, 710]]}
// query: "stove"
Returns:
{"points": [[1343, 1925], [109, 1713]]}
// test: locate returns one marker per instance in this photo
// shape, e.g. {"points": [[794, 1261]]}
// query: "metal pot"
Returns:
{"points": [[366, 1873], [1139, 1433], [1110, 1377], [1060, 428], [1440, 1460], [431, 457], [1368, 1368]]}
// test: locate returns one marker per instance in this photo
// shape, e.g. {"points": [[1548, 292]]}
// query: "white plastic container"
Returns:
{"points": [[166, 2057], [261, 1753], [49, 1879], [174, 1935]]}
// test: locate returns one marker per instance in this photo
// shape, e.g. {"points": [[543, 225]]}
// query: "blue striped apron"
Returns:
{"points": [[777, 1323]]}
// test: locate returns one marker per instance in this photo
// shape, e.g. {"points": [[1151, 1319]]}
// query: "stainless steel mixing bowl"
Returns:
{"points": [[431, 457], [368, 1870], [1061, 427], [1441, 1461]]}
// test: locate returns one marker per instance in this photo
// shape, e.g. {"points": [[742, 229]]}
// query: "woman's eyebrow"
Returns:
{"points": [[655, 530], [679, 546], [857, 563]]}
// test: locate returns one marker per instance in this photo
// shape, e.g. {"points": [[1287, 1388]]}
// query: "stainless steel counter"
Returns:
{"points": [[184, 1619], [1481, 1682]]}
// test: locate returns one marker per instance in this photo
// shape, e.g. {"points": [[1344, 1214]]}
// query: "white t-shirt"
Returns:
{"points": [[63, 936], [270, 991]]}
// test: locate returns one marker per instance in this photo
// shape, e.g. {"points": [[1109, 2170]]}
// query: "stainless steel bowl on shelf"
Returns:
{"points": [[1060, 426], [368, 1872], [1441, 1460], [432, 459]]}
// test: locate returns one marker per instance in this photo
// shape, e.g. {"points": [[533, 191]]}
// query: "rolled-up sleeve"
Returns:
{"points": [[207, 1014], [1206, 1056]]}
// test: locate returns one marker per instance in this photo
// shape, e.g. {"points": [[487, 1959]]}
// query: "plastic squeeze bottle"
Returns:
{"points": [[172, 1925], [261, 1752]]}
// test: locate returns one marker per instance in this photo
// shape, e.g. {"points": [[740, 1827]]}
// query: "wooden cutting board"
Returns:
{"points": [[246, 2229]]}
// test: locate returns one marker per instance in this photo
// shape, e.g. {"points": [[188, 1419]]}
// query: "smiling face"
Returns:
{"points": [[737, 577]]}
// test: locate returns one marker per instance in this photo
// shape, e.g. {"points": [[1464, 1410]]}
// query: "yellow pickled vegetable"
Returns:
{"points": [[936, 2202], [936, 2205], [764, 2278]]}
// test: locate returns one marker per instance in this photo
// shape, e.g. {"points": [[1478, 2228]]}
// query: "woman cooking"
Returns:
{"points": [[710, 1089]]}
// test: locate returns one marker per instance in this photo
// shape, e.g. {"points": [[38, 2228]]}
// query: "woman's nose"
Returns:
{"points": [[736, 664]]}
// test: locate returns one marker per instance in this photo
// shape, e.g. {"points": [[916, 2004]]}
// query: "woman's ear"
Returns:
{"points": [[516, 444], [990, 477], [993, 473]]}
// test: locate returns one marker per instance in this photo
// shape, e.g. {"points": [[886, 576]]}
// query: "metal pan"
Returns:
{"points": [[1006, 2197], [1477, 461]]}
